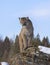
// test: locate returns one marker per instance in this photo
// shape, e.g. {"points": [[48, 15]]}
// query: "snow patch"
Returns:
{"points": [[4, 63], [44, 49]]}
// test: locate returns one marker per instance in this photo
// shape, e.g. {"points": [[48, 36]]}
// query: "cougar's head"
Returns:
{"points": [[23, 19]]}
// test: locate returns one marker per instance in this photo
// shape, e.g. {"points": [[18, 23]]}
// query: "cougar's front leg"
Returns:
{"points": [[25, 41], [20, 43]]}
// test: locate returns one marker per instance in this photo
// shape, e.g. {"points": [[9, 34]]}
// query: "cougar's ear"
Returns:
{"points": [[27, 18], [19, 18]]}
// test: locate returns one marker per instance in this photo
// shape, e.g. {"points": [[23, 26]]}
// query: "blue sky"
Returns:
{"points": [[37, 10]]}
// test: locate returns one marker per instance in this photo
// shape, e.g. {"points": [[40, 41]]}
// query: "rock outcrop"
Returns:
{"points": [[20, 60], [23, 59]]}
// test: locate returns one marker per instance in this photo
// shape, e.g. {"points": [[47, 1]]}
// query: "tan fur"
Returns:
{"points": [[26, 34]]}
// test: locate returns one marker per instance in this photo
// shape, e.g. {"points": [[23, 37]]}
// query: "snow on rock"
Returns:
{"points": [[44, 49], [4, 63]]}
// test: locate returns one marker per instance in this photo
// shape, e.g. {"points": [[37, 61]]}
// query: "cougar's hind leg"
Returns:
{"points": [[29, 42]]}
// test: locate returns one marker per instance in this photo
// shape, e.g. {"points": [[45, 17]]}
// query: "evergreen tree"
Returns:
{"points": [[6, 47], [16, 45], [45, 42]]}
